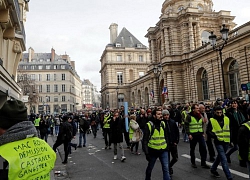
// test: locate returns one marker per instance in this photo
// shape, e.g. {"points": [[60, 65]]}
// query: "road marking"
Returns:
{"points": [[219, 167]]}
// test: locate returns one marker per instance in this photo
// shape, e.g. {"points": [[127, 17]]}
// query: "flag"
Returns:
{"points": [[152, 94], [165, 90]]}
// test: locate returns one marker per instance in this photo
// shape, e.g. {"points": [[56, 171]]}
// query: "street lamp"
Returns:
{"points": [[212, 38], [117, 91], [157, 73]]}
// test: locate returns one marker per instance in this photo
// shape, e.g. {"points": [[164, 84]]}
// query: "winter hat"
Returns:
{"points": [[164, 112], [12, 112]]}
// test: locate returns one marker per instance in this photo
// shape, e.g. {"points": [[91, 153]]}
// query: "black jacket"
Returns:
{"points": [[175, 114], [116, 128], [173, 131], [234, 123], [142, 120], [147, 135], [243, 142]]}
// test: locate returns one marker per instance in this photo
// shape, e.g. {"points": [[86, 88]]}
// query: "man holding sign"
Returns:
{"points": [[22, 154]]}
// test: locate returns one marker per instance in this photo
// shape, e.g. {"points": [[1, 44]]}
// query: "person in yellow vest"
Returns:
{"points": [[183, 118], [244, 142], [36, 123], [193, 127], [106, 130], [22, 154], [133, 126], [155, 144], [218, 128]]}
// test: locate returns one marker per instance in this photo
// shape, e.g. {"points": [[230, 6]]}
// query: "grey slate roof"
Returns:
{"points": [[126, 39]]}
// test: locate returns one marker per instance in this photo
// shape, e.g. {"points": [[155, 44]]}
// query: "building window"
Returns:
{"points": [[48, 88], [47, 66], [200, 7], [54, 77], [24, 67], [119, 58], [40, 87], [205, 90], [55, 88], [119, 78], [62, 66], [63, 98], [33, 77], [41, 60], [32, 67], [63, 77], [234, 79], [180, 8], [140, 58], [55, 99], [48, 77], [118, 45], [141, 74], [39, 77], [63, 88], [40, 67], [55, 66], [139, 45]]}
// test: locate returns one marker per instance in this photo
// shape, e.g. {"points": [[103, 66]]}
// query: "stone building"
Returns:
{"points": [[12, 44], [190, 69], [50, 83], [124, 60], [90, 95]]}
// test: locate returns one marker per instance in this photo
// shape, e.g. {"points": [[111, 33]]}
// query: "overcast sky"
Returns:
{"points": [[80, 28]]}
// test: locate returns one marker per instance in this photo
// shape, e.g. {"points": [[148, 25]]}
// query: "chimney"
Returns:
{"points": [[31, 54], [113, 32], [53, 52]]}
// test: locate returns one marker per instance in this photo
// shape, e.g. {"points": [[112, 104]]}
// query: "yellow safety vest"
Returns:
{"points": [[157, 140], [37, 122], [247, 124], [195, 126], [29, 159], [185, 115], [106, 121], [224, 133], [131, 131]]}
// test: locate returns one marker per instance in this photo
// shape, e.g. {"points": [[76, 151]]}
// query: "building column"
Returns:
{"points": [[166, 41], [198, 35], [170, 86], [191, 36], [165, 85]]}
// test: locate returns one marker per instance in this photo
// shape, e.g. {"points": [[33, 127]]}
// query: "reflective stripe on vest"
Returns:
{"points": [[37, 122], [157, 140], [30, 158], [224, 133], [106, 121], [195, 126]]}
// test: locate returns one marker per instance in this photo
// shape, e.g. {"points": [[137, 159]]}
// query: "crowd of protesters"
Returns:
{"points": [[217, 128]]}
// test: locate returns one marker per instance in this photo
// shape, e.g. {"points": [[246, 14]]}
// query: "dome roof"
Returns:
{"points": [[175, 6]]}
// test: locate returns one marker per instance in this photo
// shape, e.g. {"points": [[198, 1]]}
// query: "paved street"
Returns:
{"points": [[94, 162]]}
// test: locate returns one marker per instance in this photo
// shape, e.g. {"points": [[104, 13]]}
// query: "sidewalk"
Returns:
{"points": [[58, 164]]}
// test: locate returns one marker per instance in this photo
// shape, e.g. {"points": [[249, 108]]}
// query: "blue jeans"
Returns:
{"points": [[57, 129], [221, 158], [163, 156], [232, 150], [202, 148], [82, 135], [248, 166]]}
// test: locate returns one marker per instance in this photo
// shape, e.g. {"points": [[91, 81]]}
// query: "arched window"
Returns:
{"points": [[200, 7], [204, 80], [180, 8], [204, 37], [234, 79]]}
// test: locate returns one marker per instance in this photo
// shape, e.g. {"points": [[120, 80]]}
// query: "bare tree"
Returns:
{"points": [[29, 88]]}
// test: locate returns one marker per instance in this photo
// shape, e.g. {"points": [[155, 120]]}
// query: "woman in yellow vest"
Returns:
{"points": [[25, 155], [218, 128], [133, 126]]}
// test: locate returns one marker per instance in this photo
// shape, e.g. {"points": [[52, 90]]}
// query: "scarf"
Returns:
{"points": [[19, 131]]}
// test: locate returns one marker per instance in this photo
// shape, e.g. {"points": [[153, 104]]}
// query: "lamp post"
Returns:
{"points": [[117, 91], [212, 38], [157, 73]]}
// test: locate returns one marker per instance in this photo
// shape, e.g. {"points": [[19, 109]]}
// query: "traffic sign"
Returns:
{"points": [[244, 87]]}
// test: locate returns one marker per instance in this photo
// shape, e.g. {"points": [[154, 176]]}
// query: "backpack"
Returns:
{"points": [[153, 128], [137, 136]]}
